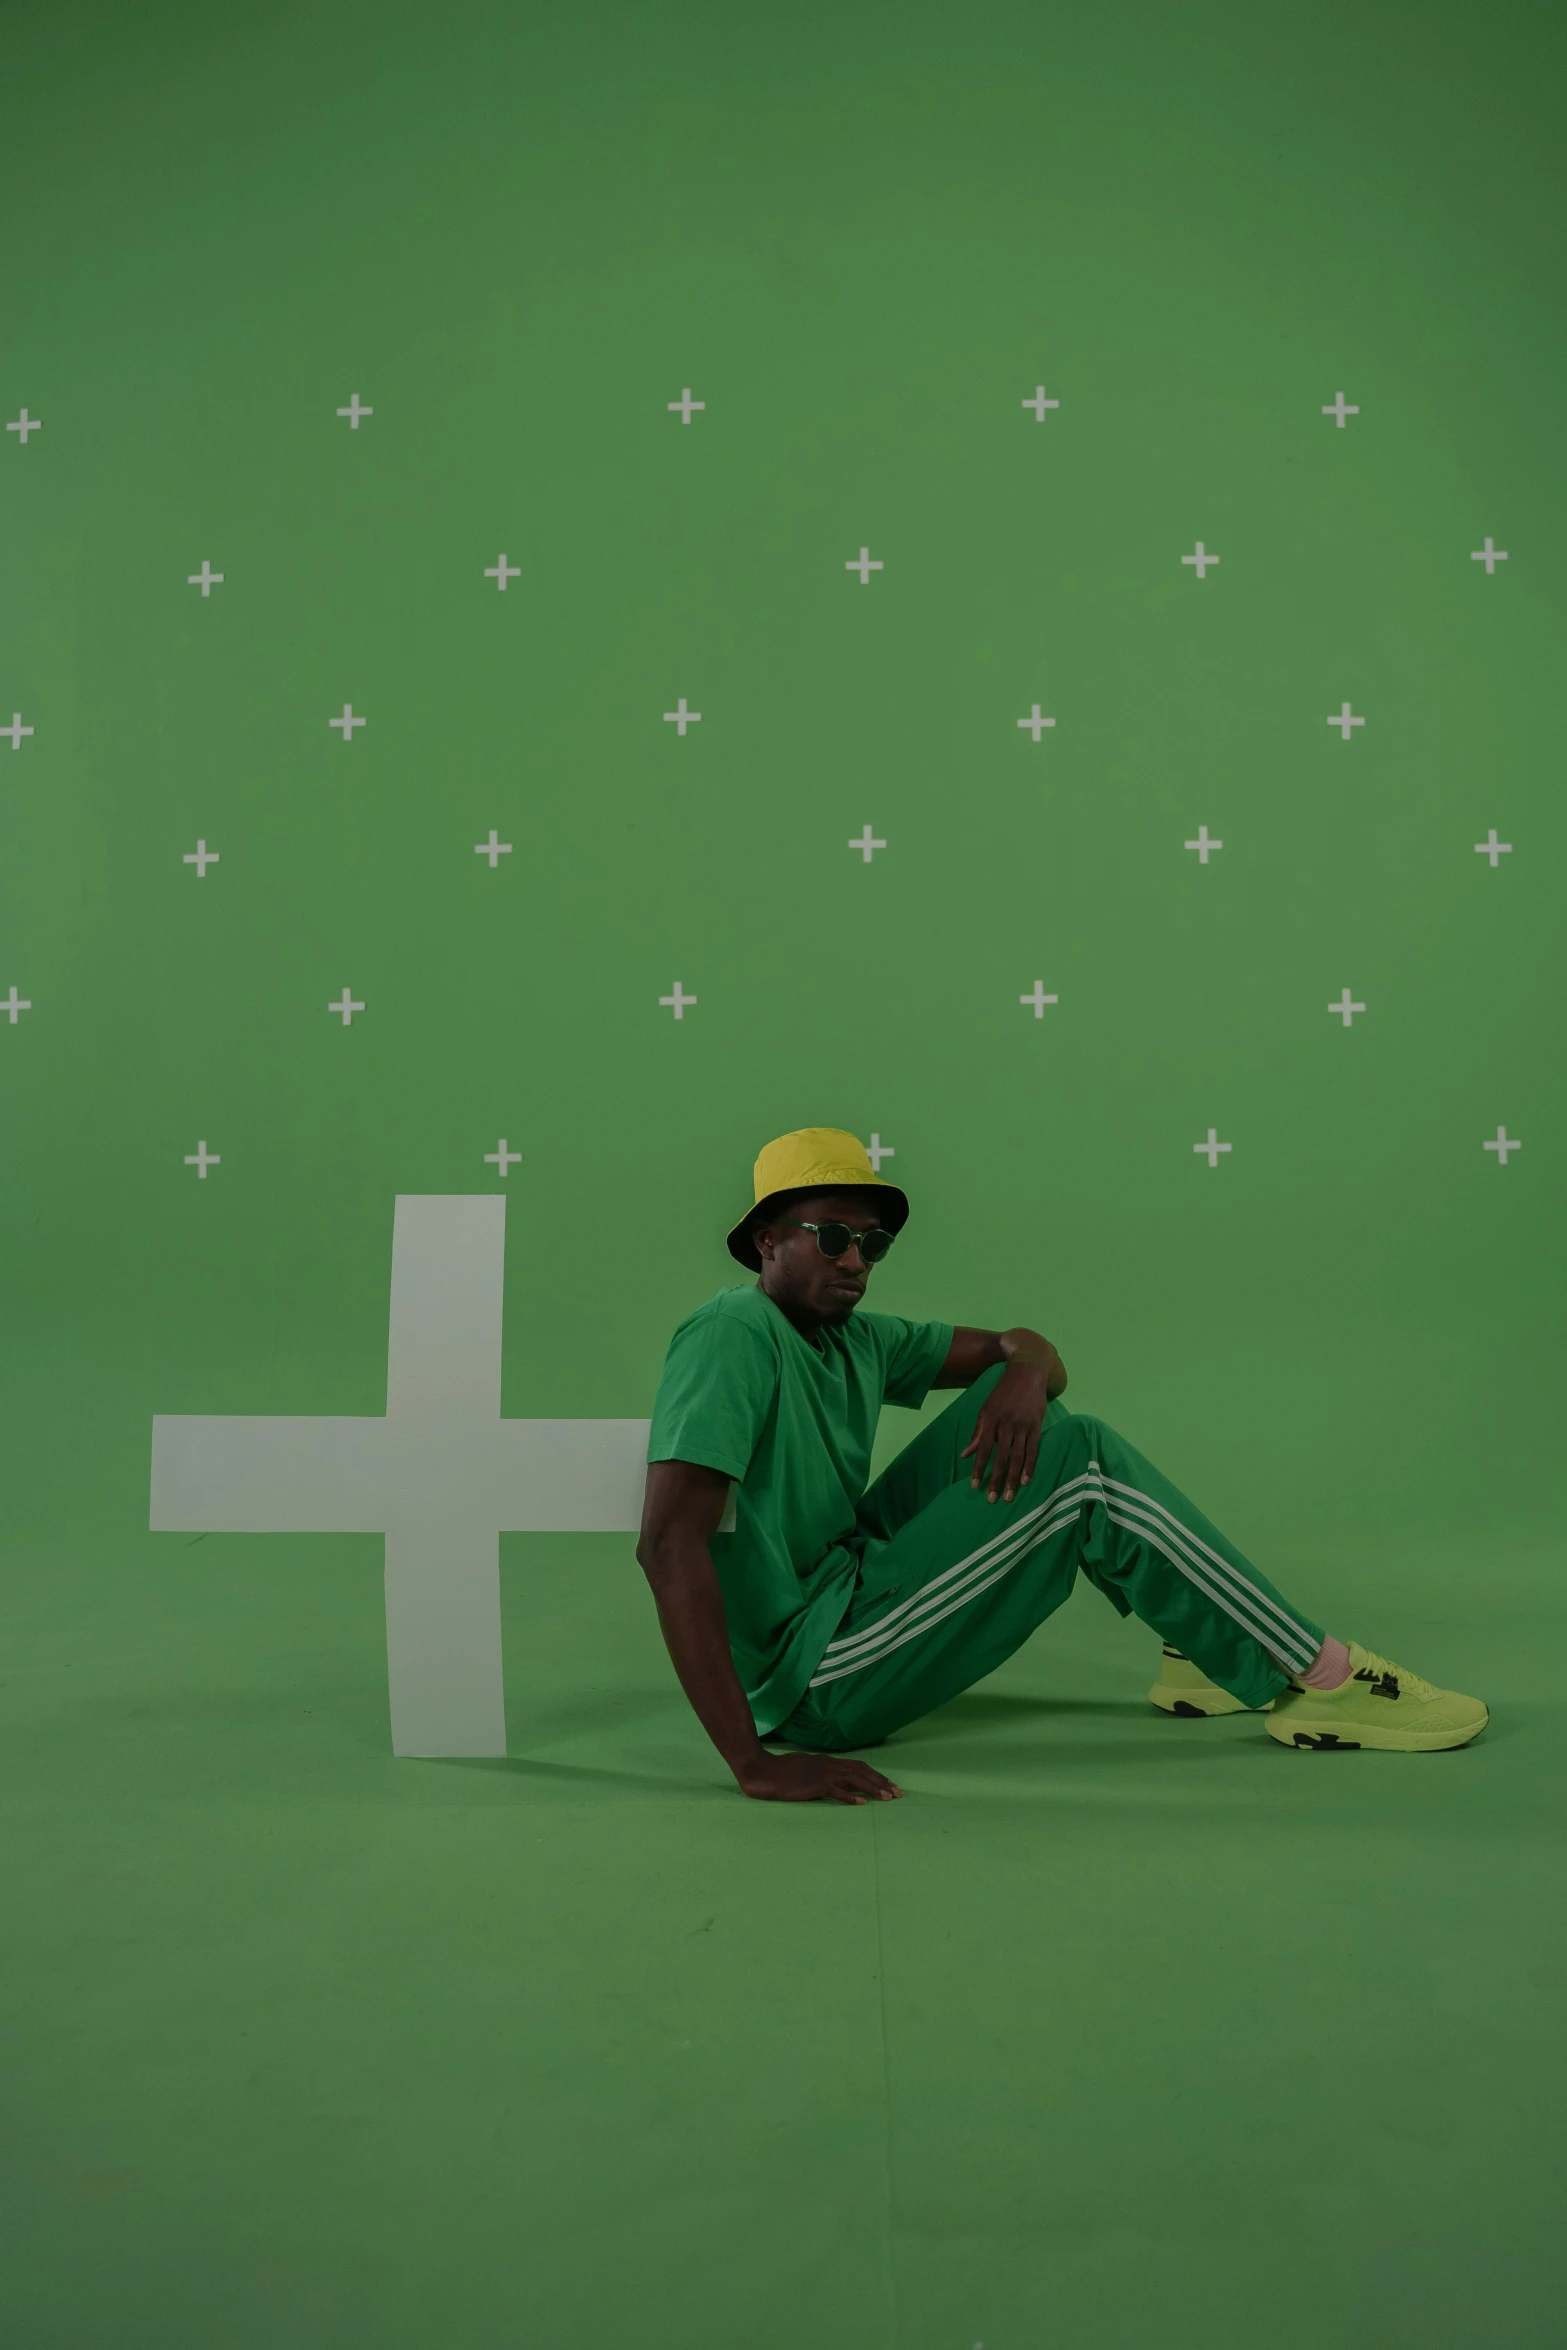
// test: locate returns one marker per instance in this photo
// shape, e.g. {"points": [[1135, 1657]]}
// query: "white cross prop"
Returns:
{"points": [[16, 730], [1202, 844], [1493, 848], [501, 571], [678, 1002], [501, 1158], [685, 406], [1344, 721], [15, 1004], [494, 848], [1345, 1008], [201, 857], [348, 722], [1039, 999], [354, 411], [201, 1159], [1034, 724], [864, 566], [1039, 403], [347, 1007], [1213, 1146], [1339, 410], [1490, 556], [23, 425], [441, 1476], [1504, 1143], [681, 718], [1202, 560], [876, 1150], [206, 579], [867, 844]]}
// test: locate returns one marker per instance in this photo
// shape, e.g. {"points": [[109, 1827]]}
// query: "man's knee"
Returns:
{"points": [[1074, 1438], [1089, 1438]]}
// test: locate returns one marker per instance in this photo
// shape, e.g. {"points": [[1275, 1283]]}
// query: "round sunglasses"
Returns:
{"points": [[835, 1240]]}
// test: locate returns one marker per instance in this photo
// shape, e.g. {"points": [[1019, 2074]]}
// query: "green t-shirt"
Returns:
{"points": [[793, 1424]]}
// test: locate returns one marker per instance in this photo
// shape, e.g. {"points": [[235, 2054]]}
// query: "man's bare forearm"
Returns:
{"points": [[691, 1617], [680, 1515], [1034, 1353], [974, 1352]]}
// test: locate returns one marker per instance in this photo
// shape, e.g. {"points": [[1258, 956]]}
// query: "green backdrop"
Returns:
{"points": [[862, 237]]}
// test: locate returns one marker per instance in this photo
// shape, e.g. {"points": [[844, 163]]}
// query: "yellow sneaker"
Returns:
{"points": [[1183, 1688], [1379, 1705]]}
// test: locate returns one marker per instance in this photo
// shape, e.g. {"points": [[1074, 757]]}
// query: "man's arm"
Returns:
{"points": [[683, 1506], [1006, 1434]]}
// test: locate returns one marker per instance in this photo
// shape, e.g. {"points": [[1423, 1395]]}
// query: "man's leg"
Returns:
{"points": [[953, 1584]]}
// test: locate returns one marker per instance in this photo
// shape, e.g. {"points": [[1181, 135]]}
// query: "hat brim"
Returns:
{"points": [[892, 1205]]}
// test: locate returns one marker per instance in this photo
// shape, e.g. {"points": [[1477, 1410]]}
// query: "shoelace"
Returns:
{"points": [[1409, 1684]]}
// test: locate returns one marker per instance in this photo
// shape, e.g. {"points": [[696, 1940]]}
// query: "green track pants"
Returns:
{"points": [[952, 1584]]}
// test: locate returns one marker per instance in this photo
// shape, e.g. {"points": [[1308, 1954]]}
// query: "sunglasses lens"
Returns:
{"points": [[874, 1245], [833, 1239]]}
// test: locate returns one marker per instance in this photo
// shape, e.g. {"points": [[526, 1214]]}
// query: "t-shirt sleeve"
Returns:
{"points": [[717, 1390], [914, 1353]]}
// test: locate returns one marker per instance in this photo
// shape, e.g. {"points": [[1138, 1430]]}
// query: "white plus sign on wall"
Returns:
{"points": [[867, 844], [441, 1476], [1039, 403], [876, 1150], [1203, 845], [1504, 1143], [206, 579], [1034, 724], [354, 411], [347, 1007], [15, 730], [1345, 1009], [201, 857], [1213, 1146], [1493, 848], [24, 424], [501, 1158], [1339, 410], [494, 848], [685, 407], [501, 571], [679, 1003], [681, 718], [348, 722], [201, 1159], [1344, 720], [13, 1004], [1202, 560], [864, 566], [1490, 556], [1038, 998]]}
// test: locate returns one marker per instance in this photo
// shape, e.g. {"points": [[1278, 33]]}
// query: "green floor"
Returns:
{"points": [[1115, 2029]]}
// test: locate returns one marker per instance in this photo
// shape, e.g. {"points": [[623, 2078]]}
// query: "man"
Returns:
{"points": [[833, 1613]]}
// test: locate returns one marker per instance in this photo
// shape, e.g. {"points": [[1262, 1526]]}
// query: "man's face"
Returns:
{"points": [[794, 1271]]}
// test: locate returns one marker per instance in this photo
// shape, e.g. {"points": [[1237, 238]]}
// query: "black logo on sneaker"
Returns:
{"points": [[1382, 1684], [1326, 1742]]}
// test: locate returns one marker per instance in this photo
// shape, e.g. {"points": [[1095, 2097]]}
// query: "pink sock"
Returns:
{"points": [[1330, 1669]]}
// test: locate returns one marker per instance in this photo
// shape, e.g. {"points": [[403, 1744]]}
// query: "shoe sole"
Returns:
{"points": [[1374, 1741], [1189, 1711]]}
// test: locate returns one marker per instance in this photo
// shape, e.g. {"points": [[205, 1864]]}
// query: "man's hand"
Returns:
{"points": [[814, 1778], [1006, 1434]]}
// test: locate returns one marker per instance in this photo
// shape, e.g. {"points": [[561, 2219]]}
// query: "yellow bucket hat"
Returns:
{"points": [[816, 1158]]}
